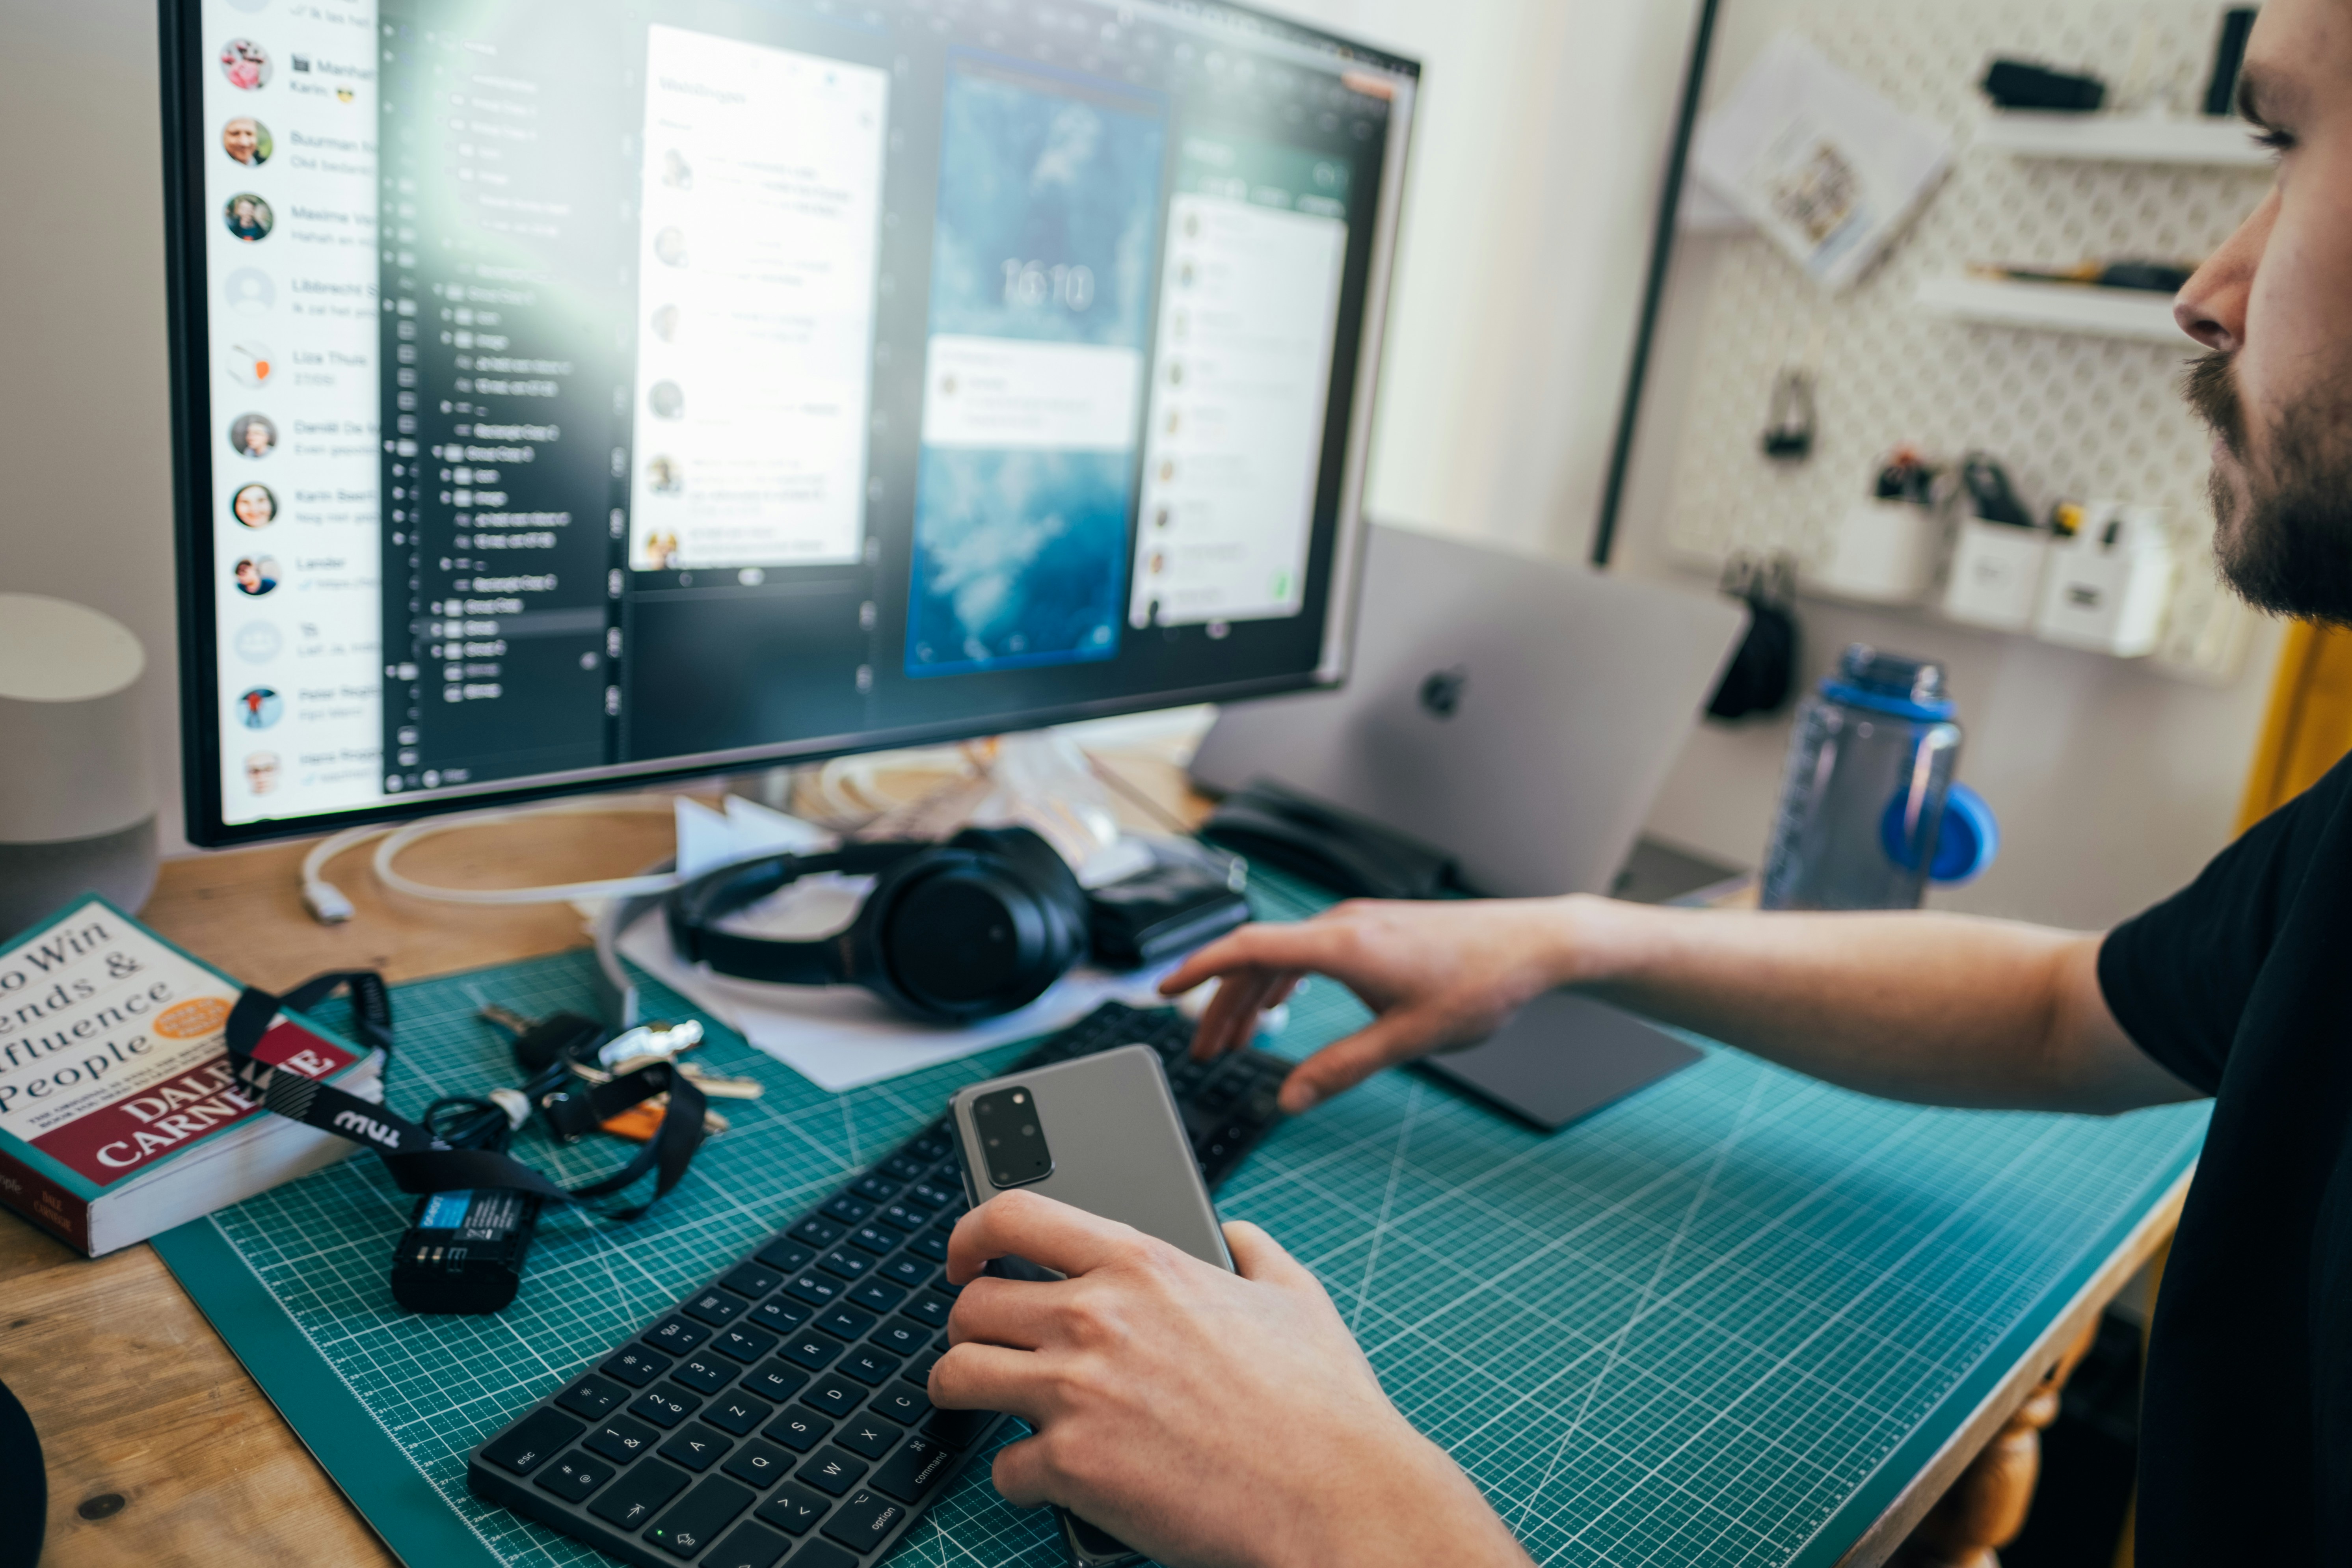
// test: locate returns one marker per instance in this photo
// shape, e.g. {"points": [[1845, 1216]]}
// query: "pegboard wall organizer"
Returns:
{"points": [[2071, 414]]}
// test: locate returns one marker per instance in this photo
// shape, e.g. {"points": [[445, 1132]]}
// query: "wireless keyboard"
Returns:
{"points": [[781, 1410]]}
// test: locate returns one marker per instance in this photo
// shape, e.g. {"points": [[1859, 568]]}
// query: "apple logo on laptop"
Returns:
{"points": [[1441, 693]]}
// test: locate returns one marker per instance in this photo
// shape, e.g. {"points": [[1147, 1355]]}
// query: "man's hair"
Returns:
{"points": [[2284, 543]]}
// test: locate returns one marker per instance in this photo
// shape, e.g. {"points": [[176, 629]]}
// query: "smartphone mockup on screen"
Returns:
{"points": [[1099, 1133]]}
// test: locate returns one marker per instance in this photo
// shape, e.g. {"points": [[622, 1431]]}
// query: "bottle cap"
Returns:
{"points": [[1890, 683]]}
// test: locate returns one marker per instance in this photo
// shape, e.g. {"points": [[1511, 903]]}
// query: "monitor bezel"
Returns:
{"points": [[188, 314]]}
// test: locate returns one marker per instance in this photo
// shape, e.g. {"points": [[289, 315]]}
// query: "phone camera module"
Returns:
{"points": [[1012, 1138]]}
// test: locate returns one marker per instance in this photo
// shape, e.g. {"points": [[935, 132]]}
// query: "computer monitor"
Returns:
{"points": [[568, 391]]}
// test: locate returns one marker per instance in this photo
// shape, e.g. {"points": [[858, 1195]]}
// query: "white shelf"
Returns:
{"points": [[2122, 137], [2074, 308]]}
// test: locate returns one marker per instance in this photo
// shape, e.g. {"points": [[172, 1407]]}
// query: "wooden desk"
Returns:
{"points": [[146, 1420], [160, 1450]]}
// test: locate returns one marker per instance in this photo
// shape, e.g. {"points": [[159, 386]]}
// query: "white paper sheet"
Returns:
{"points": [[837, 1036]]}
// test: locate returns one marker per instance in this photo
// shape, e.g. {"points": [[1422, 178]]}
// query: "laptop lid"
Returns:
{"points": [[1518, 712]]}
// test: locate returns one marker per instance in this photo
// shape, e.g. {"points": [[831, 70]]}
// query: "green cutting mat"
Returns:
{"points": [[1722, 1322]]}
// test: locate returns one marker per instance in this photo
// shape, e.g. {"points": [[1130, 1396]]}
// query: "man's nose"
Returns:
{"points": [[2211, 306]]}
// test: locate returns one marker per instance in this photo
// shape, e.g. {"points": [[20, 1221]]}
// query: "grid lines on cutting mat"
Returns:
{"points": [[1684, 1331]]}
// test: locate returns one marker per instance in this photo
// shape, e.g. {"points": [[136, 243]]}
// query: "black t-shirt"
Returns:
{"points": [[2242, 986]]}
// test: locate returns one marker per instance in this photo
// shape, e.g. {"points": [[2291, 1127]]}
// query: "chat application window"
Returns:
{"points": [[762, 190], [1048, 220], [1249, 305]]}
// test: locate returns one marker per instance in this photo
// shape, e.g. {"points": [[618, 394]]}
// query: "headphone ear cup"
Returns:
{"points": [[1040, 865], [963, 935]]}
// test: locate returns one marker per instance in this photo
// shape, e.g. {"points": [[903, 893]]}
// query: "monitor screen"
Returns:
{"points": [[571, 391]]}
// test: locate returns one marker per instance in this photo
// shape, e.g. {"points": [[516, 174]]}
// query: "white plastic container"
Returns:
{"points": [[2105, 589], [1882, 552], [1996, 577]]}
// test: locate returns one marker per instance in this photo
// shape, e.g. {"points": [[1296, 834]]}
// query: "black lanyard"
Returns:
{"points": [[420, 1162]]}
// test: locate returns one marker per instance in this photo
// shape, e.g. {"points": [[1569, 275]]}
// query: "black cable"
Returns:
{"points": [[469, 1121]]}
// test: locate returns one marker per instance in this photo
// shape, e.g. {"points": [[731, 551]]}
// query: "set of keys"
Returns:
{"points": [[579, 1044]]}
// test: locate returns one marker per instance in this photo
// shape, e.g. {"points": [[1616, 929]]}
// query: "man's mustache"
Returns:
{"points": [[2210, 386]]}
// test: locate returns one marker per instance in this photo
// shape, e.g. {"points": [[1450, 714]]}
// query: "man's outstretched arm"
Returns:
{"points": [[1940, 1009]]}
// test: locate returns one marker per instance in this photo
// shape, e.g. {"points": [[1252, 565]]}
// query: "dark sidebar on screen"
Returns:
{"points": [[503, 274]]}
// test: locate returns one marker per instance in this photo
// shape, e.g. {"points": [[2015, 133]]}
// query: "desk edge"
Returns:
{"points": [[1900, 1517]]}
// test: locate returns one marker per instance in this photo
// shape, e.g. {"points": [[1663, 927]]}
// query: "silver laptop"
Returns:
{"points": [[1515, 712]]}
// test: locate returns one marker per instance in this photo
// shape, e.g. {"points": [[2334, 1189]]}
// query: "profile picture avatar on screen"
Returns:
{"points": [[253, 436], [246, 64], [254, 505], [246, 141], [248, 218]]}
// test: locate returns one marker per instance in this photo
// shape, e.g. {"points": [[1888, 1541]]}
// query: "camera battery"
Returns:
{"points": [[464, 1251]]}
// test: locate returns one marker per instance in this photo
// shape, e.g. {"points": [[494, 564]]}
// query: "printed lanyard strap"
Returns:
{"points": [[421, 1163]]}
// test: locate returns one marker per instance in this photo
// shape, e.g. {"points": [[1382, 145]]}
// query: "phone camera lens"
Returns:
{"points": [[1008, 1134]]}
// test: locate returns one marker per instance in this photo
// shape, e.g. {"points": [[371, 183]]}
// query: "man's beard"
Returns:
{"points": [[2285, 541]]}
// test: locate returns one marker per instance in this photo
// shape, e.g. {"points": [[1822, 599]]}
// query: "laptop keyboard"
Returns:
{"points": [[780, 1410]]}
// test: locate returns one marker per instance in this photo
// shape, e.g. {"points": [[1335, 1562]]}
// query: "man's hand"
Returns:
{"points": [[1200, 1416], [1438, 975]]}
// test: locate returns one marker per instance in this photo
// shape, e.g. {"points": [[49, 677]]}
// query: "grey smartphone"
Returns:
{"points": [[1100, 1133]]}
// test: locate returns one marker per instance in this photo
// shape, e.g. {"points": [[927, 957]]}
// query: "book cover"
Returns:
{"points": [[119, 1113]]}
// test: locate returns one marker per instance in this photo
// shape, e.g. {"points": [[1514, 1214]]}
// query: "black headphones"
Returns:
{"points": [[951, 932]]}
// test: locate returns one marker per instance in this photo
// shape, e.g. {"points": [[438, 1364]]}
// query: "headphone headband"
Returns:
{"points": [[969, 929], [690, 910]]}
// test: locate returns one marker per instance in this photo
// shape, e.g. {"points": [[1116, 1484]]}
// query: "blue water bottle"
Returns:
{"points": [[1869, 812]]}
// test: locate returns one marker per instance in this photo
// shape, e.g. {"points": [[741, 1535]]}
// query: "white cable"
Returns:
{"points": [[325, 901], [400, 838], [329, 905]]}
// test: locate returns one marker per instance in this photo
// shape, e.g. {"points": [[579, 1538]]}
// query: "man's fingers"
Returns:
{"points": [[1234, 992], [1233, 1012], [1261, 1258], [990, 1377], [1014, 1312], [1020, 1473], [1396, 1038], [1307, 944], [1026, 1225]]}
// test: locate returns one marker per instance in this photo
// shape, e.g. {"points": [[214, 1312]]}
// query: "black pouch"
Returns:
{"points": [[1192, 895]]}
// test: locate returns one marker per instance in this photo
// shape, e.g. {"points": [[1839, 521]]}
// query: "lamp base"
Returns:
{"points": [[38, 879]]}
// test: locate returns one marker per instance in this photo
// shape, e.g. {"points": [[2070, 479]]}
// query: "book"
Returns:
{"points": [[119, 1113]]}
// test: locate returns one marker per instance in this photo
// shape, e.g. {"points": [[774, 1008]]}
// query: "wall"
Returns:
{"points": [[2114, 783], [85, 435], [1533, 177], [1527, 214]]}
